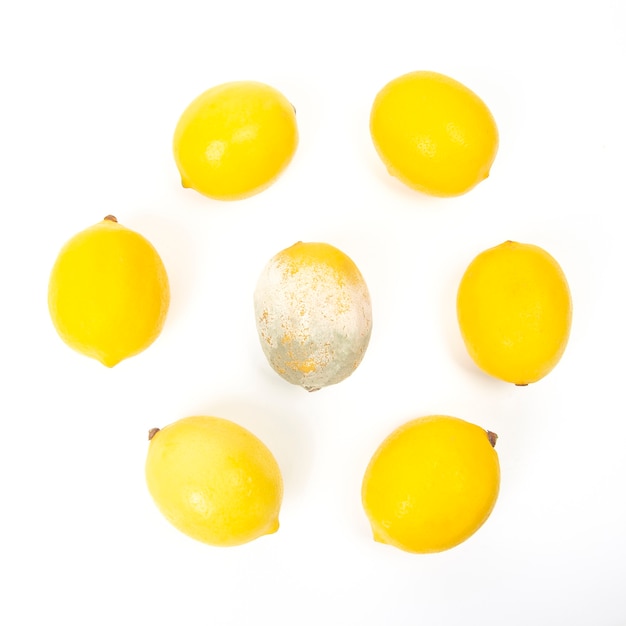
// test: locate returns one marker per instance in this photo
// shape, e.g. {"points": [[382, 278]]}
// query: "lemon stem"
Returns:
{"points": [[111, 218], [492, 438], [152, 433]]}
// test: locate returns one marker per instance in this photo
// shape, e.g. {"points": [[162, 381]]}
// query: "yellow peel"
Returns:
{"points": [[514, 310], [214, 480], [433, 133], [108, 293], [431, 484], [235, 140]]}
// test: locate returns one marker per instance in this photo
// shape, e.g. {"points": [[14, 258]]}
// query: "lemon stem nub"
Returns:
{"points": [[111, 218], [492, 438], [152, 433]]}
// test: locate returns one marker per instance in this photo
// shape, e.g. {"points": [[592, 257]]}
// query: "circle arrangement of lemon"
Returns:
{"points": [[431, 484], [514, 311], [313, 314], [433, 133], [235, 140], [214, 480], [434, 481], [108, 293]]}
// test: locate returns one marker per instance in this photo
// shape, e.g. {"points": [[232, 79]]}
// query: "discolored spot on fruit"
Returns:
{"points": [[313, 314]]}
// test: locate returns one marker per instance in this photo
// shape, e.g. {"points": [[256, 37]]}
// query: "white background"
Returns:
{"points": [[91, 95]]}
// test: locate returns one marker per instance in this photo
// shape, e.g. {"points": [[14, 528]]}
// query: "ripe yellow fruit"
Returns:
{"points": [[514, 310], [214, 480], [235, 140], [108, 293], [433, 133], [313, 314], [431, 484]]}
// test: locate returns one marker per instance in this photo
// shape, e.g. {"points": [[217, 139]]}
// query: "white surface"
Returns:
{"points": [[91, 95]]}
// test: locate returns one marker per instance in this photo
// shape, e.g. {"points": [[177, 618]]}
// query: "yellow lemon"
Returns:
{"points": [[214, 480], [313, 314], [431, 484], [108, 293], [514, 311], [433, 133], [235, 140]]}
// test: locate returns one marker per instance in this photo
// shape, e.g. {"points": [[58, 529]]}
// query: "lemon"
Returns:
{"points": [[214, 480], [431, 484], [235, 139], [313, 314], [433, 133], [108, 293], [514, 311]]}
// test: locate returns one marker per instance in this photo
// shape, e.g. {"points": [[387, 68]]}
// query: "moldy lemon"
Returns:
{"points": [[514, 311], [108, 293], [214, 480], [433, 133], [313, 314], [431, 484], [235, 139]]}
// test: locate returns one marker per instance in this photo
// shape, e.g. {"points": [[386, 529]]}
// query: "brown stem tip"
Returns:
{"points": [[111, 218], [492, 438], [152, 433]]}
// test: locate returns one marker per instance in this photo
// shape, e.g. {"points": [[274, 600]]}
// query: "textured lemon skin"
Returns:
{"points": [[235, 140], [108, 293], [433, 133], [431, 484], [313, 314], [514, 310], [214, 481]]}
